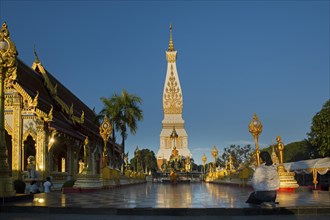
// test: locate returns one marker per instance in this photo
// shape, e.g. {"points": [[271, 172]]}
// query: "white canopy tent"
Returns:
{"points": [[320, 165]]}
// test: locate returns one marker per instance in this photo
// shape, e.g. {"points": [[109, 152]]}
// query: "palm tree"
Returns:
{"points": [[111, 111], [124, 112], [129, 114]]}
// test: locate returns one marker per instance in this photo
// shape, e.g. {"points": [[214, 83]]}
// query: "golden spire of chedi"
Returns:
{"points": [[171, 44]]}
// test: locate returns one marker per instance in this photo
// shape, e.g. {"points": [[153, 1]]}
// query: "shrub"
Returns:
{"points": [[19, 186], [68, 184]]}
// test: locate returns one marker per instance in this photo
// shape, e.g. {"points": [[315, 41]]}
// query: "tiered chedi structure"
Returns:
{"points": [[172, 106]]}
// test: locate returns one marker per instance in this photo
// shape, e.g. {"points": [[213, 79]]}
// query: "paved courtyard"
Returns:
{"points": [[193, 195], [147, 200]]}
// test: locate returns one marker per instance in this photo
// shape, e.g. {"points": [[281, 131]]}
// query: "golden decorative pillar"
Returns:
{"points": [[214, 154], [255, 128], [231, 164], [86, 153], [105, 132], [41, 149], [287, 180], [17, 143], [204, 159], [8, 66]]}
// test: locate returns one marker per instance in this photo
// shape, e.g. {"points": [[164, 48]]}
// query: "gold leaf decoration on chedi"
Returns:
{"points": [[172, 102]]}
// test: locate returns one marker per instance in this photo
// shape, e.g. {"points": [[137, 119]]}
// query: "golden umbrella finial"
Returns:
{"points": [[105, 132], [214, 154], [204, 159], [255, 128], [171, 44]]}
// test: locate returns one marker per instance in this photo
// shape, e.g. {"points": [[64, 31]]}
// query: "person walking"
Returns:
{"points": [[47, 185], [265, 182]]}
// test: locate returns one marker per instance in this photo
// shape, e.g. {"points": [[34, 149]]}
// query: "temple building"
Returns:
{"points": [[48, 130], [172, 107]]}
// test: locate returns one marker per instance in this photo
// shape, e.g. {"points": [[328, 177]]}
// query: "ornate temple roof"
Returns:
{"points": [[69, 114]]}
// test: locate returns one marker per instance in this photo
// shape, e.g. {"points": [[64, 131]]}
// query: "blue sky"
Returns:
{"points": [[235, 58]]}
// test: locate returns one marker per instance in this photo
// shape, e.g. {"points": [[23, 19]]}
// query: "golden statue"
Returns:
{"points": [[175, 152], [280, 147]]}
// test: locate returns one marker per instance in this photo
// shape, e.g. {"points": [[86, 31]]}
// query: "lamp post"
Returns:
{"points": [[136, 156], [204, 159], [105, 132], [214, 154], [8, 67], [255, 128]]}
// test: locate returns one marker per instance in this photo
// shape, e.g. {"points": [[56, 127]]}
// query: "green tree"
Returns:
{"points": [[295, 151], [144, 160], [111, 110], [319, 136], [240, 155], [124, 112]]}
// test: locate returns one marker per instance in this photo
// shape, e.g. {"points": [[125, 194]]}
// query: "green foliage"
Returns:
{"points": [[124, 112], [144, 160], [19, 186], [295, 151], [240, 155], [319, 136], [68, 184]]}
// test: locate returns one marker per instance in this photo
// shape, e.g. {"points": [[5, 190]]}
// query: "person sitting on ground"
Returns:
{"points": [[34, 187], [265, 182], [47, 185]]}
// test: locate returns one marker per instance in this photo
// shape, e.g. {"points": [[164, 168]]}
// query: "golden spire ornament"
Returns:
{"points": [[171, 44], [105, 132], [204, 159], [214, 154], [255, 128]]}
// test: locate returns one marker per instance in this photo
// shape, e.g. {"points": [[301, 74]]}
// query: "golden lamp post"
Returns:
{"points": [[204, 159], [8, 67], [255, 128], [105, 132], [214, 154]]}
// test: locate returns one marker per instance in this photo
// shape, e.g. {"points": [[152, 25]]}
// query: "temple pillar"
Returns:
{"points": [[17, 163], [41, 149], [74, 155]]}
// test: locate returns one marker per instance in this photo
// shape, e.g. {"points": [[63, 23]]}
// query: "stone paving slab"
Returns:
{"points": [[168, 211], [168, 200]]}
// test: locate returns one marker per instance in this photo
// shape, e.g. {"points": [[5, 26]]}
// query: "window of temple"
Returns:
{"points": [[29, 150], [59, 152], [61, 164]]}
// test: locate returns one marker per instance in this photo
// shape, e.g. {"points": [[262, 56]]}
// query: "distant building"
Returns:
{"points": [[172, 107]]}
